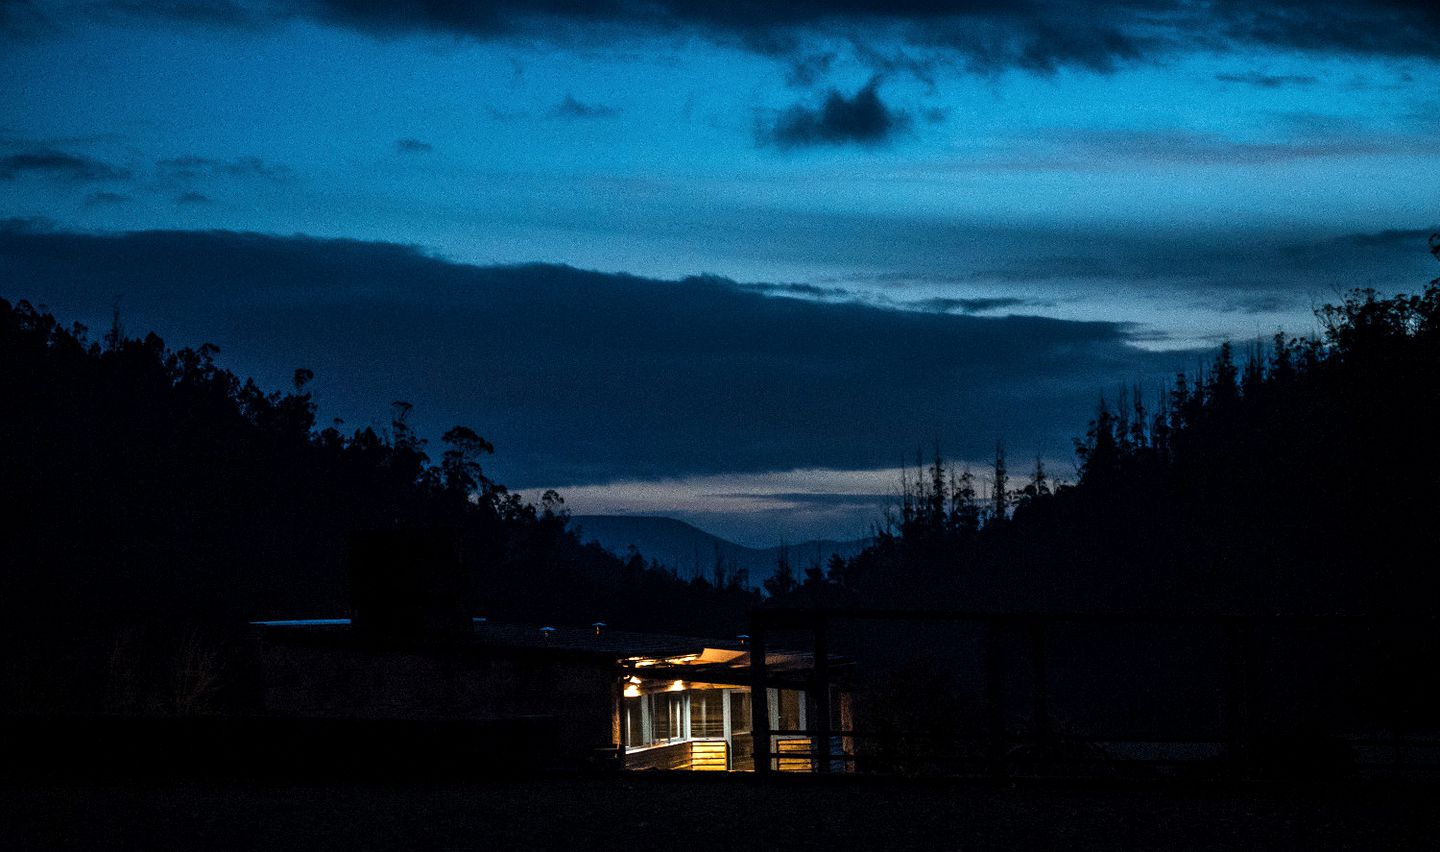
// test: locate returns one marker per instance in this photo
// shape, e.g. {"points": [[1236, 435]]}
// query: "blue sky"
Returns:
{"points": [[1173, 174]]}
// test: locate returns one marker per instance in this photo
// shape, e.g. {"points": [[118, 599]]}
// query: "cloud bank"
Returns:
{"points": [[569, 107], [984, 36], [198, 168], [583, 376], [61, 165]]}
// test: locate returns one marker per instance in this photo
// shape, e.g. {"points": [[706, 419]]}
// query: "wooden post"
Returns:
{"points": [[820, 694], [617, 693], [759, 698]]}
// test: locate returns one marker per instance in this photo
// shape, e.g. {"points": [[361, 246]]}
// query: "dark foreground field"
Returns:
{"points": [[685, 813]]}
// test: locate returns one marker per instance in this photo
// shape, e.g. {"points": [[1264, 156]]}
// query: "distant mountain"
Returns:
{"points": [[692, 552]]}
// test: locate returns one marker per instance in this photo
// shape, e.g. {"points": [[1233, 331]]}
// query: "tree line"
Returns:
{"points": [[157, 503], [1294, 477]]}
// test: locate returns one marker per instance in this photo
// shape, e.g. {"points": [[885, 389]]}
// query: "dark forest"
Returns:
{"points": [[157, 503]]}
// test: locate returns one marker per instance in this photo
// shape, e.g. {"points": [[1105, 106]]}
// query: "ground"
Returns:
{"points": [[686, 813]]}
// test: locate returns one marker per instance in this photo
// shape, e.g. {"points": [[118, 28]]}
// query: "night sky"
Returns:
{"points": [[734, 261]]}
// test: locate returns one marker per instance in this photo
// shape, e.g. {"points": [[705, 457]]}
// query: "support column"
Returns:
{"points": [[617, 698], [759, 698], [820, 697]]}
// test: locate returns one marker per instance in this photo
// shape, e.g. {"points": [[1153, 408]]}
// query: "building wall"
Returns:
{"points": [[344, 681]]}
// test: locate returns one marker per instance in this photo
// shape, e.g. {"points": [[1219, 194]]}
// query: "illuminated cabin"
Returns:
{"points": [[413, 659], [636, 700], [694, 711]]}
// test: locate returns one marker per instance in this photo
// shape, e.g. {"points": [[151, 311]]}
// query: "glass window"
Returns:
{"points": [[707, 713], [787, 709], [677, 726], [739, 711], [635, 722], [654, 718], [660, 713]]}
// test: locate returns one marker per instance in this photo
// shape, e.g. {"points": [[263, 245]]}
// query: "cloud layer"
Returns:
{"points": [[50, 163], [1037, 35], [569, 107], [585, 377], [197, 168]]}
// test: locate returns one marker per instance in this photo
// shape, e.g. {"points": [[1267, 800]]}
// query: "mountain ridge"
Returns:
{"points": [[692, 552]]}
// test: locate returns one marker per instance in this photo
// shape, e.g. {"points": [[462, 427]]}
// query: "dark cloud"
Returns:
{"points": [[413, 146], [1261, 303], [99, 199], [22, 18], [983, 35], [807, 70], [193, 198], [1268, 81], [584, 377], [899, 61], [52, 163], [1019, 271], [571, 108], [1365, 27], [197, 168], [1391, 237], [862, 119], [248, 14], [26, 225]]}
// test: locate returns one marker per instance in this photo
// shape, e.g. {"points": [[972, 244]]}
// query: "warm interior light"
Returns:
{"points": [[632, 691], [677, 686]]}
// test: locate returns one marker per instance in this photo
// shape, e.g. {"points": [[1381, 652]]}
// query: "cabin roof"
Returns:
{"points": [[608, 643]]}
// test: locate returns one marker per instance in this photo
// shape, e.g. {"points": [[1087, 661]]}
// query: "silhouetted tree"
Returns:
{"points": [[1000, 507], [965, 511], [461, 461], [782, 582]]}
